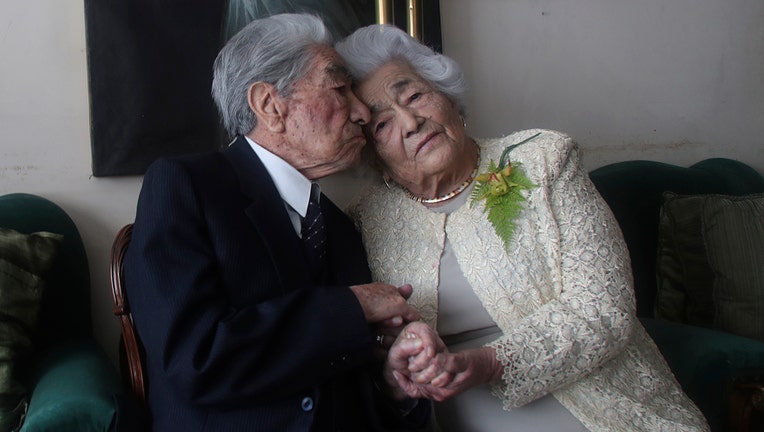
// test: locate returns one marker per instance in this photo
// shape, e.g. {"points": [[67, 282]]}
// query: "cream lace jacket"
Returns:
{"points": [[562, 295]]}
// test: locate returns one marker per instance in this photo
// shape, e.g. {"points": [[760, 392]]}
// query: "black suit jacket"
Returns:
{"points": [[236, 335]]}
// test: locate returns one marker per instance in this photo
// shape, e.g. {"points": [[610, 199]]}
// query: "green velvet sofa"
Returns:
{"points": [[68, 381], [722, 372]]}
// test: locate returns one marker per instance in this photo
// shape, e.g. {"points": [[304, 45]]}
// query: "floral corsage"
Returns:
{"points": [[501, 188]]}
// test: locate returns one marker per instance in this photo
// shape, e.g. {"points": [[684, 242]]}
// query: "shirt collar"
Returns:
{"points": [[293, 187]]}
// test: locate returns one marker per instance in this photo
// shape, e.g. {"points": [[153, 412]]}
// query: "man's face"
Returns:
{"points": [[324, 118]]}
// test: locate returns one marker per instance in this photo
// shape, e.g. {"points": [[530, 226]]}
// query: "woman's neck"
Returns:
{"points": [[438, 189]]}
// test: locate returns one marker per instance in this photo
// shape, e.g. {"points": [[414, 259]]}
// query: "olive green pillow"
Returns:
{"points": [[733, 232], [710, 268], [24, 262]]}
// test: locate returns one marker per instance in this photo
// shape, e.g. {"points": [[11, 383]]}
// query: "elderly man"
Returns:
{"points": [[249, 289]]}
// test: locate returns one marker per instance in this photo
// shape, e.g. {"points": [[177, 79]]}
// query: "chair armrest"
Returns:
{"points": [[74, 390]]}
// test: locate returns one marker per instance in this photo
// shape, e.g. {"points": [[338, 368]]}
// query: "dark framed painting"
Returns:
{"points": [[150, 69]]}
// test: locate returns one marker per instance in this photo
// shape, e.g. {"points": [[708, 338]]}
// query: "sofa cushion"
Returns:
{"points": [[705, 362], [24, 261], [684, 278], [633, 191], [710, 268], [733, 233]]}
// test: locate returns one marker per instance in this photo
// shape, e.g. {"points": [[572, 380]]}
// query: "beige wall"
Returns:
{"points": [[670, 80], [676, 80]]}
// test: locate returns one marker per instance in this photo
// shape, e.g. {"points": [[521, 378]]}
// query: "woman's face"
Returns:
{"points": [[416, 131]]}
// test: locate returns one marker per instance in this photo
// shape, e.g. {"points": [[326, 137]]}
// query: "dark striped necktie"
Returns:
{"points": [[314, 234]]}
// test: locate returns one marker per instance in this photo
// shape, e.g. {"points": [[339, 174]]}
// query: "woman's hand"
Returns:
{"points": [[416, 347], [420, 366], [460, 372]]}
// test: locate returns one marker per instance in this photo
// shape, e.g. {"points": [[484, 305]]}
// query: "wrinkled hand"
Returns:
{"points": [[430, 371], [388, 330], [465, 369], [385, 305], [415, 349]]}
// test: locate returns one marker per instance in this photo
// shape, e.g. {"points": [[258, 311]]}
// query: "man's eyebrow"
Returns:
{"points": [[338, 71]]}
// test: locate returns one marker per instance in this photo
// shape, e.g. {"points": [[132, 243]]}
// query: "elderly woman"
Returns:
{"points": [[515, 259]]}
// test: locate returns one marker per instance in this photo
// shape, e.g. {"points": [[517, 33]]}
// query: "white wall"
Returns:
{"points": [[672, 80]]}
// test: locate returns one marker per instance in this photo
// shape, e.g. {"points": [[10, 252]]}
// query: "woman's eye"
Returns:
{"points": [[379, 126], [415, 96]]}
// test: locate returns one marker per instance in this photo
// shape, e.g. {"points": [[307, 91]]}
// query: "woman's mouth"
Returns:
{"points": [[425, 142]]}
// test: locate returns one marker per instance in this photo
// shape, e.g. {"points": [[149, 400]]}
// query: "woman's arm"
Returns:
{"points": [[590, 320]]}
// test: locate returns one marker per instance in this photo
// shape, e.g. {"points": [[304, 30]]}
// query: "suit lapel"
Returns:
{"points": [[347, 257], [268, 214]]}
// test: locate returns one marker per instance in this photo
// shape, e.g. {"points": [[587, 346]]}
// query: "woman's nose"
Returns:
{"points": [[410, 122]]}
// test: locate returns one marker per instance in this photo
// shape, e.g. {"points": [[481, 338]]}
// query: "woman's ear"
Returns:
{"points": [[268, 107]]}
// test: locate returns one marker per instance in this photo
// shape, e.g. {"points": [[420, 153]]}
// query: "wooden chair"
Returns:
{"points": [[131, 350]]}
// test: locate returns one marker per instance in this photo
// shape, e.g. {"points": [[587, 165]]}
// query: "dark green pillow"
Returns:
{"points": [[24, 261], [733, 233], [684, 278], [710, 268]]}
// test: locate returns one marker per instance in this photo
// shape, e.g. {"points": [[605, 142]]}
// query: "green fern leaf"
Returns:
{"points": [[504, 209], [503, 194]]}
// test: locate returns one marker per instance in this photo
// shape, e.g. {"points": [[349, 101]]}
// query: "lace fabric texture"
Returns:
{"points": [[561, 294]]}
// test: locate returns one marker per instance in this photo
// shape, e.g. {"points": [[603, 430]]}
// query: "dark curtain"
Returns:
{"points": [[150, 72], [149, 64]]}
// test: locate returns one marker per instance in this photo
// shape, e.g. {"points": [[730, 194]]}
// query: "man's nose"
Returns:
{"points": [[359, 112]]}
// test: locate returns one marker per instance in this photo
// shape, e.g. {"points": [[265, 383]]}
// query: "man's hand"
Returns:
{"points": [[384, 304]]}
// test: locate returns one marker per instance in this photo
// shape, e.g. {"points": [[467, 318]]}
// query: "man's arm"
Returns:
{"points": [[214, 319]]}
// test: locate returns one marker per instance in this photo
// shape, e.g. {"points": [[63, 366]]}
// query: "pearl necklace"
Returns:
{"points": [[445, 197]]}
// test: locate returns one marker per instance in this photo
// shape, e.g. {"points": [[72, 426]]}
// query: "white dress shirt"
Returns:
{"points": [[293, 187]]}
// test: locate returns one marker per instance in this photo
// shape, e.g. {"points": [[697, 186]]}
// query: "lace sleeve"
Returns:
{"points": [[589, 320]]}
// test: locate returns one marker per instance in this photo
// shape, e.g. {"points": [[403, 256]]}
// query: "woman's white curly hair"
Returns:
{"points": [[370, 47]]}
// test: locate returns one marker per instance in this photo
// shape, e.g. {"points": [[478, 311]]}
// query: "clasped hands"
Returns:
{"points": [[417, 363]]}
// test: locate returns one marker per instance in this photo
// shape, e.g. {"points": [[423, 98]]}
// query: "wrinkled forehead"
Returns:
{"points": [[385, 85], [326, 65]]}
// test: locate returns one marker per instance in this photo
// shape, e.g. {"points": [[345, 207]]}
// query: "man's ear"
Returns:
{"points": [[268, 107]]}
